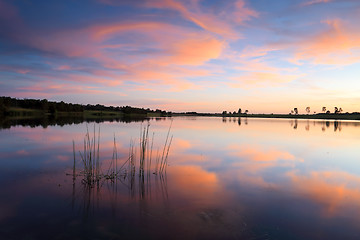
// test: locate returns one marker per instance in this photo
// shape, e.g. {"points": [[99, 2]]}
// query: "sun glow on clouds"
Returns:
{"points": [[337, 45], [197, 48]]}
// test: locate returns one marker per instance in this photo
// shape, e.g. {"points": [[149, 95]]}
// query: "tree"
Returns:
{"points": [[307, 109], [2, 107], [336, 110], [224, 112], [239, 111], [45, 105], [292, 111], [296, 111], [246, 111], [340, 110], [324, 109]]}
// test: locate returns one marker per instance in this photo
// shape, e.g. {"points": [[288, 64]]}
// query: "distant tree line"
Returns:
{"points": [[239, 112], [49, 107], [324, 110]]}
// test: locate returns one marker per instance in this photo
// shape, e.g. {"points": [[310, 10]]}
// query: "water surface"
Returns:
{"points": [[228, 178]]}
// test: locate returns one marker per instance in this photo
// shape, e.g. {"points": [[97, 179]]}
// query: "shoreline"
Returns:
{"points": [[331, 116]]}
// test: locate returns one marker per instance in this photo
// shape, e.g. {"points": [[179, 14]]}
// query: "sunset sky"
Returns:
{"points": [[195, 55]]}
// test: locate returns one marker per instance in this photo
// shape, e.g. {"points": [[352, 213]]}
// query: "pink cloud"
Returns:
{"points": [[337, 45], [242, 13], [221, 24], [312, 2], [174, 49], [206, 21], [17, 69], [47, 89]]}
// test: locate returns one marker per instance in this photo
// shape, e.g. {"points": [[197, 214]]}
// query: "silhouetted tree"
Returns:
{"points": [[224, 112], [246, 111], [296, 111], [45, 105], [307, 109], [336, 110], [324, 109], [239, 111], [2, 107]]}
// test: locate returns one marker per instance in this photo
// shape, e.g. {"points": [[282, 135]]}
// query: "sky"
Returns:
{"points": [[193, 55]]}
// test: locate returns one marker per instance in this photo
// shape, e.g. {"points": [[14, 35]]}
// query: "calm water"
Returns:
{"points": [[227, 179]]}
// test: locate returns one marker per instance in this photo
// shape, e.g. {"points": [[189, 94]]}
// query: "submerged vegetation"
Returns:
{"points": [[93, 173]]}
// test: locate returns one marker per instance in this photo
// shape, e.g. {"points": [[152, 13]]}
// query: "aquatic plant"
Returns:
{"points": [[92, 172], [90, 158]]}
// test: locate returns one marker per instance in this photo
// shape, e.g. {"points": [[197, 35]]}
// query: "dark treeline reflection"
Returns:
{"points": [[324, 125], [237, 120], [44, 122]]}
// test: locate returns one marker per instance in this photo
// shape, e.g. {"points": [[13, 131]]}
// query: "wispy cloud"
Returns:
{"points": [[336, 45], [312, 2]]}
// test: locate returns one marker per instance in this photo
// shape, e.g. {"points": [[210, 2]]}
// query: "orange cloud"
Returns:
{"points": [[180, 47], [335, 46], [196, 51], [218, 23], [206, 21], [165, 54]]}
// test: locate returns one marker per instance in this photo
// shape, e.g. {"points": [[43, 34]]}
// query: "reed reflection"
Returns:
{"points": [[90, 199], [135, 177], [223, 180]]}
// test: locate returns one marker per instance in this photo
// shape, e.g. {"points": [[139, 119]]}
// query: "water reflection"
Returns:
{"points": [[323, 124], [6, 123], [90, 200], [246, 179]]}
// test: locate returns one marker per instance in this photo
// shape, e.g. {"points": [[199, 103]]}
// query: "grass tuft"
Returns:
{"points": [[92, 172]]}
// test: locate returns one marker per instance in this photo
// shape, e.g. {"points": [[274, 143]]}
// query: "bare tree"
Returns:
{"points": [[296, 111]]}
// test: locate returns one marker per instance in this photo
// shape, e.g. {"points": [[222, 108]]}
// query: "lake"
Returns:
{"points": [[226, 178]]}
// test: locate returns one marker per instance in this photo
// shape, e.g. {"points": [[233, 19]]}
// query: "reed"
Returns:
{"points": [[162, 162], [90, 158]]}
